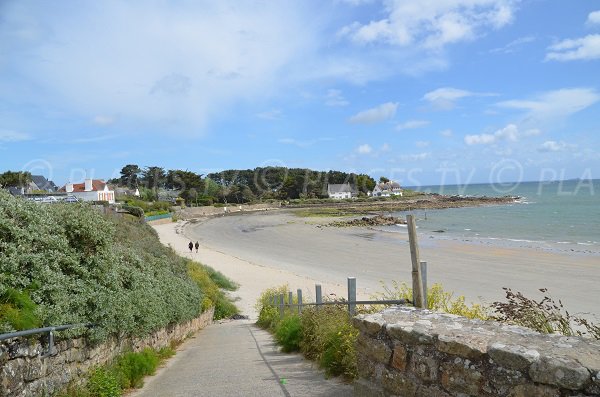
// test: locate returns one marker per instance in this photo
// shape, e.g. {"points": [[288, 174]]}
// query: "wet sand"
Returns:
{"points": [[270, 248]]}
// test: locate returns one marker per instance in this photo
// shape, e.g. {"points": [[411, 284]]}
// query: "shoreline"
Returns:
{"points": [[280, 241]]}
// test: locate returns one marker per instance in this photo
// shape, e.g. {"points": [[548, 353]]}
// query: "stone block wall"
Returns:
{"points": [[404, 351], [24, 371]]}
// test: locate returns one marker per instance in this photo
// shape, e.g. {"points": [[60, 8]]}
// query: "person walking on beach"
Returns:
{"points": [[197, 245], [191, 246]]}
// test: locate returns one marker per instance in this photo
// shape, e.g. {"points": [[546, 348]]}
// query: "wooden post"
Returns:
{"points": [[424, 277], [351, 295], [417, 282], [281, 303], [319, 295]]}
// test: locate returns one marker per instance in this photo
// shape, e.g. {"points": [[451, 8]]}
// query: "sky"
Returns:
{"points": [[422, 92]]}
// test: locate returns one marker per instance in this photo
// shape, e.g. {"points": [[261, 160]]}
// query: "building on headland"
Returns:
{"points": [[387, 189], [341, 191], [90, 190]]}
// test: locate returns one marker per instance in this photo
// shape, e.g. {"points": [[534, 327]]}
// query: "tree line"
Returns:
{"points": [[239, 186]]}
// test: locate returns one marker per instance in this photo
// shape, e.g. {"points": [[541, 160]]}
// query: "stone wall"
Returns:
{"points": [[195, 212], [25, 372], [406, 352]]}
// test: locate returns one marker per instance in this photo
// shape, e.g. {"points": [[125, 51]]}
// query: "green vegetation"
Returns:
{"points": [[205, 277], [125, 372], [67, 264], [437, 300], [15, 179], [546, 316], [324, 335]]}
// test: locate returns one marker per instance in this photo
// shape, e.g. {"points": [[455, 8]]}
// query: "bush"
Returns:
{"points": [[17, 311], [102, 383], [289, 333], [325, 335], [79, 266], [133, 210], [545, 316], [213, 296], [437, 300], [132, 367]]}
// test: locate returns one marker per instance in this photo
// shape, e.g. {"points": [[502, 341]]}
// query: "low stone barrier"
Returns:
{"points": [[25, 372], [196, 212], [403, 351]]}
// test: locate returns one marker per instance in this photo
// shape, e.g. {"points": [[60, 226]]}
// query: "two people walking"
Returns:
{"points": [[191, 246]]}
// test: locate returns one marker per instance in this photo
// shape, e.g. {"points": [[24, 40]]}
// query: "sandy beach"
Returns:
{"points": [[267, 249]]}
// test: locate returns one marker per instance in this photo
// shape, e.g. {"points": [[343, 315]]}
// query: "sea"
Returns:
{"points": [[556, 216]]}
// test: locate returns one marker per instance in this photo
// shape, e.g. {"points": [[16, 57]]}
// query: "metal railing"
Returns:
{"points": [[50, 330], [279, 301]]}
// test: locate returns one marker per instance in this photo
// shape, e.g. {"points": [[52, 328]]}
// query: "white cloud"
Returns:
{"points": [[445, 98], [509, 133], [412, 124], [415, 157], [303, 144], [553, 146], [385, 148], [446, 133], [364, 149], [422, 144], [514, 45], [432, 24], [594, 18], [103, 120], [583, 48], [377, 114], [155, 63], [93, 139], [335, 98], [556, 104], [13, 136], [274, 114]]}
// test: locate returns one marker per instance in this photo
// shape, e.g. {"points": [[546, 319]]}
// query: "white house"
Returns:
{"points": [[341, 191], [387, 189], [90, 190]]}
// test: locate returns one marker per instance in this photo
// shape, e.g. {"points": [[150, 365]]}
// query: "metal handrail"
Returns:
{"points": [[50, 330]]}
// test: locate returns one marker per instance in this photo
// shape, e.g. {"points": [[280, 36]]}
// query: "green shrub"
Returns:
{"points": [[328, 337], [213, 295], [103, 383], [79, 266], [289, 333], [17, 310], [220, 279], [132, 367], [437, 300], [134, 210], [268, 316]]}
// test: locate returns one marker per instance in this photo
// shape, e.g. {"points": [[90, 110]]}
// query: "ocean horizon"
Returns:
{"points": [[558, 216]]}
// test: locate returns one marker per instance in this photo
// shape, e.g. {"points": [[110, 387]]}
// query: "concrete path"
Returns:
{"points": [[236, 358]]}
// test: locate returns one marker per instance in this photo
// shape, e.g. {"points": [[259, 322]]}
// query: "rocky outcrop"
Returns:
{"points": [[378, 220], [408, 352]]}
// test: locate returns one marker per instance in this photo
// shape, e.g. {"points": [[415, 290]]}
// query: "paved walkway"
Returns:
{"points": [[236, 358]]}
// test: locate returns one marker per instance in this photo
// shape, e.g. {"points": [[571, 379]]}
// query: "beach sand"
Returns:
{"points": [[262, 250]]}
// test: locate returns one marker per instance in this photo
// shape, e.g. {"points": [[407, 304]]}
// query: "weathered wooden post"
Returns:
{"points": [[290, 300], [424, 277], [417, 282], [299, 301], [319, 296], [352, 295], [281, 304]]}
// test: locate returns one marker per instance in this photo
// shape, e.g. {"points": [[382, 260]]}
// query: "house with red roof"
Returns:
{"points": [[90, 190]]}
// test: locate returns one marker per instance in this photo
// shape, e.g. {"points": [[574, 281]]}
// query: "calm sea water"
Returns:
{"points": [[561, 215]]}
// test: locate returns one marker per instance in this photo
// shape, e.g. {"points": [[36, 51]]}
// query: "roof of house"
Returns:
{"points": [[42, 183], [340, 188], [388, 185], [97, 185]]}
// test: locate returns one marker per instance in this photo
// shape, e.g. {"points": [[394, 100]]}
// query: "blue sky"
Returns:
{"points": [[424, 92]]}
